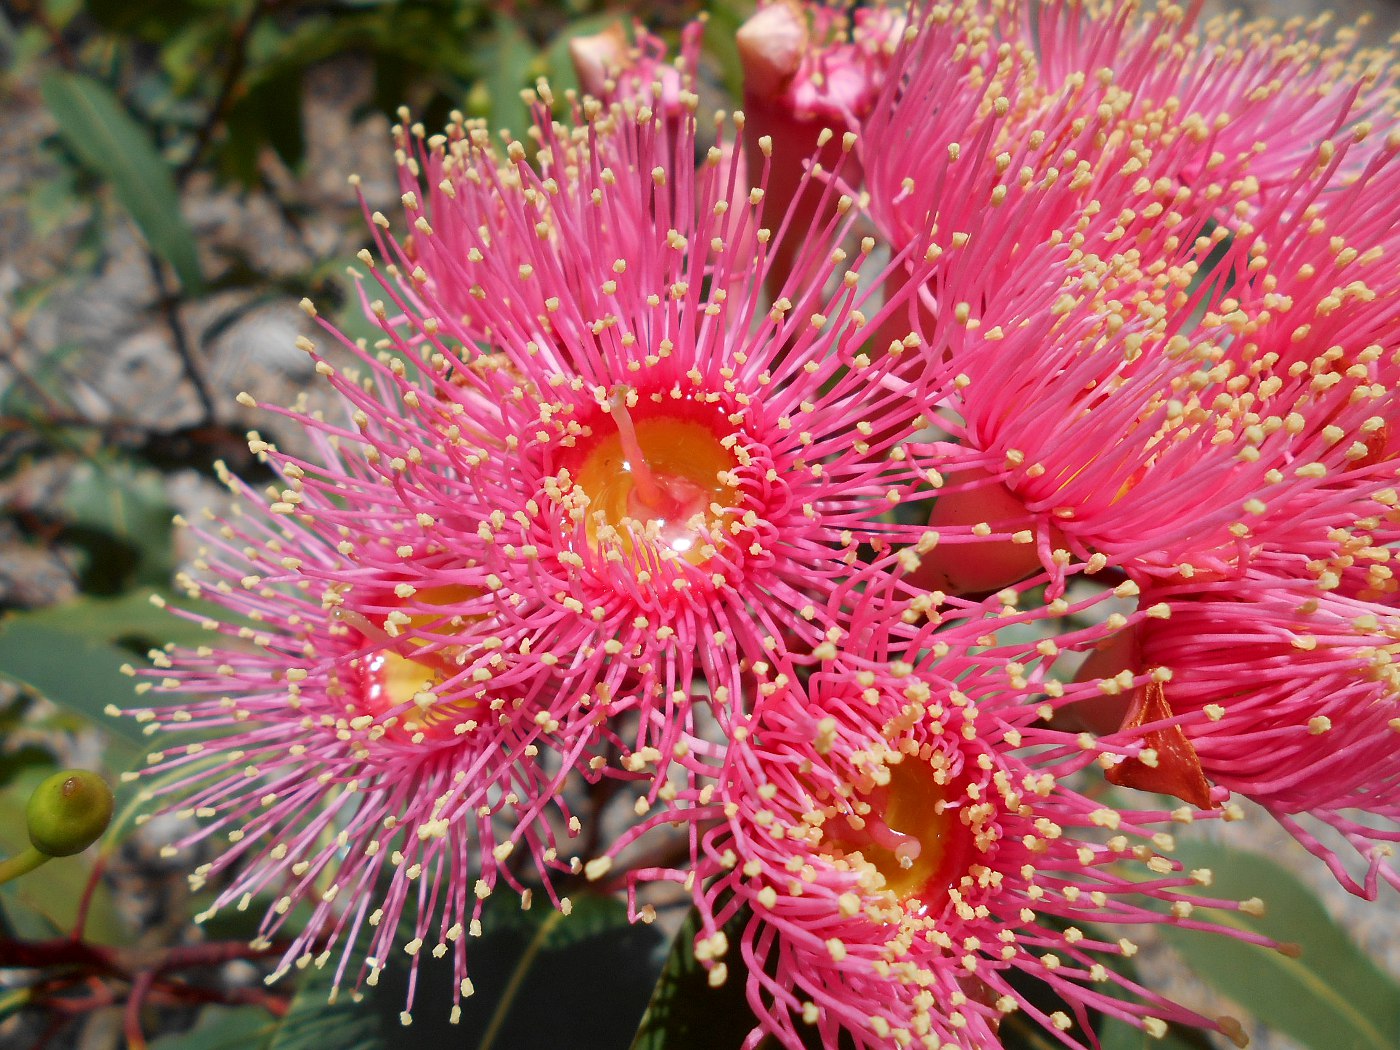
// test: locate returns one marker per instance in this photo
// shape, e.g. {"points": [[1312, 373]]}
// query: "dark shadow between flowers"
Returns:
{"points": [[542, 982]]}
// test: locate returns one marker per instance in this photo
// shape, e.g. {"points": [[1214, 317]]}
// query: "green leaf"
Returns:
{"points": [[509, 73], [222, 1028], [1119, 1035], [536, 976], [127, 504], [1020, 1032], [51, 203], [314, 1023], [549, 963], [48, 377], [685, 1013], [725, 18], [110, 142], [72, 655], [1332, 997], [341, 279], [78, 673], [130, 620]]}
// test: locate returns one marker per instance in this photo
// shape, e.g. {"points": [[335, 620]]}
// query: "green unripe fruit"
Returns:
{"points": [[68, 812]]}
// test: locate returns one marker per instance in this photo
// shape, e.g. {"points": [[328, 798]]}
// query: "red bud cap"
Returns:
{"points": [[68, 812], [772, 44]]}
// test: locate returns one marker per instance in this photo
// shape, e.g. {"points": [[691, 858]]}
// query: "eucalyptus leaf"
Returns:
{"points": [[1331, 997], [1119, 1035], [72, 655], [343, 279], [74, 651], [1018, 1031], [51, 204], [222, 1028], [315, 1023], [725, 18], [78, 673], [543, 980], [124, 513], [509, 73], [109, 141], [131, 619], [685, 1012]]}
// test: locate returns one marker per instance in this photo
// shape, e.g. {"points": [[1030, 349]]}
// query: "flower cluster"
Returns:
{"points": [[1000, 405], [1186, 265]]}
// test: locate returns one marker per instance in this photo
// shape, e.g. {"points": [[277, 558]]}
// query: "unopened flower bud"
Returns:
{"points": [[599, 56], [68, 812], [772, 44]]}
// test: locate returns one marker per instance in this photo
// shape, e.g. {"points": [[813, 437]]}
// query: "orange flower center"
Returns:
{"points": [[909, 834], [662, 475], [388, 679]]}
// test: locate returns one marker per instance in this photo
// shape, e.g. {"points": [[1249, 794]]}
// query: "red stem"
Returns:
{"points": [[153, 975], [62, 952], [89, 890], [131, 1019]]}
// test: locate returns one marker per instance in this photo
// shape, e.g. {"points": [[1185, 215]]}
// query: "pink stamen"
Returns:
{"points": [[647, 486]]}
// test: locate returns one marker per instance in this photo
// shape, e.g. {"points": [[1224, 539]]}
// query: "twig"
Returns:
{"points": [[170, 308], [99, 866], [65, 951], [22, 376], [131, 1018], [61, 952], [151, 974], [223, 102], [174, 993], [47, 995], [214, 953]]}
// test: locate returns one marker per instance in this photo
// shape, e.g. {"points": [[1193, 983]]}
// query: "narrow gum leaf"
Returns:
{"points": [[108, 140], [1322, 990]]}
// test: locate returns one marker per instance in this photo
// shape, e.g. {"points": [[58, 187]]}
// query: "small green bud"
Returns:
{"points": [[68, 812]]}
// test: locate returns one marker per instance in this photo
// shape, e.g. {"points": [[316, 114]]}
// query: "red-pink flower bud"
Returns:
{"points": [[802, 77]]}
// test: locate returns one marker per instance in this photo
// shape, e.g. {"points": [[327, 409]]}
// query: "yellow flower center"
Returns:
{"points": [[909, 835], [388, 679], [662, 475]]}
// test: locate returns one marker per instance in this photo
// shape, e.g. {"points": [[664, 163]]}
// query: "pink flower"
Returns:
{"points": [[641, 76], [899, 861], [346, 760], [611, 69], [1283, 693], [584, 482], [1160, 339], [809, 77], [648, 477], [1146, 339]]}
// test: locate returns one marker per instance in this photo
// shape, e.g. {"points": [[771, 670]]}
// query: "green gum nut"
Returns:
{"points": [[68, 812]]}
